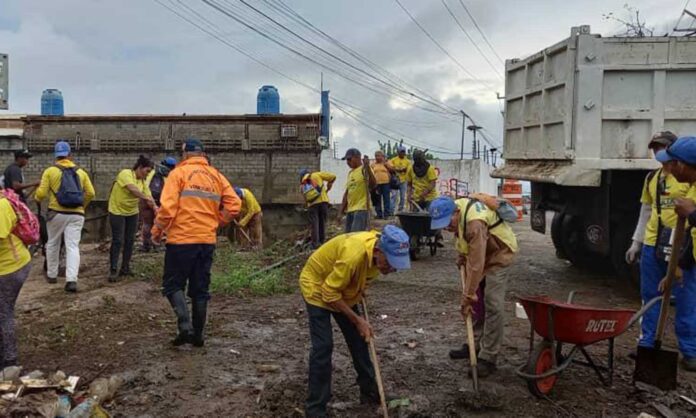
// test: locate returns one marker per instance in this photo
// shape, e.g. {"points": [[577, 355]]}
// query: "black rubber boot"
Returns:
{"points": [[199, 313], [484, 368], [460, 354], [178, 302]]}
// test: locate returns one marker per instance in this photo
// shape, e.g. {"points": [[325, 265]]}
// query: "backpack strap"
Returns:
{"points": [[469, 204]]}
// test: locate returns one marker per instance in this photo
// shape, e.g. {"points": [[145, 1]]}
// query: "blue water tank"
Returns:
{"points": [[52, 102], [268, 101]]}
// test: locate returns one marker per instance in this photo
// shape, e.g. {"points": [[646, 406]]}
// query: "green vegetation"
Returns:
{"points": [[232, 270]]}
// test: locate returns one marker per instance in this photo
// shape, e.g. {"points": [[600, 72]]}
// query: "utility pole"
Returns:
{"points": [[4, 80], [461, 152], [475, 150]]}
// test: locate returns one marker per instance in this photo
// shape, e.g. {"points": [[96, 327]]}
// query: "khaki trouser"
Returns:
{"points": [[494, 301], [254, 230]]}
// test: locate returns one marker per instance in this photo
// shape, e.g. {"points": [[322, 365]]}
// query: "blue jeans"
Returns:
{"points": [[652, 271], [356, 221], [401, 194], [381, 200], [321, 335]]}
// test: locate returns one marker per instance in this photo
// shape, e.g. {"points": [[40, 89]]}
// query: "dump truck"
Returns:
{"points": [[578, 118]]}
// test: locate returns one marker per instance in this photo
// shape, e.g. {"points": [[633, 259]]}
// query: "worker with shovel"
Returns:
{"points": [[333, 281], [249, 227], [653, 240], [485, 244], [679, 159]]}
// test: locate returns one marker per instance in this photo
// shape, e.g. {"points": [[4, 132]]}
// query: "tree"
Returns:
{"points": [[390, 150], [634, 27]]}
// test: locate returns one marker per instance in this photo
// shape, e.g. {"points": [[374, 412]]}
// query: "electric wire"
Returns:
{"points": [[439, 46], [483, 35], [456, 20]]}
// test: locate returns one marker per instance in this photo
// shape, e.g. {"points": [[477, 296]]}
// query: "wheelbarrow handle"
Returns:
{"points": [[420, 209], [643, 310]]}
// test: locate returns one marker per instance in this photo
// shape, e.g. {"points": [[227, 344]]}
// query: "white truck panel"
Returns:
{"points": [[588, 104]]}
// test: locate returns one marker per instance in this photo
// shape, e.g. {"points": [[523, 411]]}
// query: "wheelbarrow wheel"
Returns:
{"points": [[540, 362]]}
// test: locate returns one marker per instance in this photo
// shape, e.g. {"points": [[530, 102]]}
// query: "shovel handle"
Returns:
{"points": [[671, 274], [375, 362], [470, 336]]}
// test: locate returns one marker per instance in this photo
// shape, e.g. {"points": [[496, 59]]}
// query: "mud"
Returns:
{"points": [[255, 360]]}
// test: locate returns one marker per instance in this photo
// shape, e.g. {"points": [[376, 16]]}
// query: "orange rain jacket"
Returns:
{"points": [[196, 200]]}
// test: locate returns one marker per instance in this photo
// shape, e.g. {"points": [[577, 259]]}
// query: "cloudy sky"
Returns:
{"points": [[137, 56]]}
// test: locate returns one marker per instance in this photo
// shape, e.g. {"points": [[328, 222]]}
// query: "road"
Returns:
{"points": [[255, 359]]}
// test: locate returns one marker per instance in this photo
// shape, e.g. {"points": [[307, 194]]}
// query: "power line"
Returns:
{"points": [[425, 31], [294, 50], [444, 3], [335, 101], [280, 6], [483, 35], [216, 33]]}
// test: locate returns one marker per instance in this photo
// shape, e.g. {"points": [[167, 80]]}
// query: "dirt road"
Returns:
{"points": [[255, 359]]}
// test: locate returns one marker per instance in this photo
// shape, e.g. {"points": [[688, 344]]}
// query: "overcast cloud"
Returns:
{"points": [[135, 56]]}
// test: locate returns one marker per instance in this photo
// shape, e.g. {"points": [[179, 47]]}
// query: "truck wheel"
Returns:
{"points": [[620, 242], [573, 245], [557, 234]]}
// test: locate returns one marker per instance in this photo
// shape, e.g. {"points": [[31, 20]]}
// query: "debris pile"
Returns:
{"points": [[36, 395]]}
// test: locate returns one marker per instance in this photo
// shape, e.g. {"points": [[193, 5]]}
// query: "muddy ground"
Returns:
{"points": [[255, 359]]}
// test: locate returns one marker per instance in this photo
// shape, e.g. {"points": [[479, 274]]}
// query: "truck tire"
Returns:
{"points": [[573, 245], [557, 233], [620, 242]]}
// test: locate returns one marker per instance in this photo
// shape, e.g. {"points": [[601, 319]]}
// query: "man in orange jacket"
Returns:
{"points": [[195, 201]]}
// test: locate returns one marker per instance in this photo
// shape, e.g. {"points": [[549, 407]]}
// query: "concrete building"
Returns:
{"points": [[261, 152]]}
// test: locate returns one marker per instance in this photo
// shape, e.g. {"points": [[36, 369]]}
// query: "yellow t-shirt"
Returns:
{"points": [[50, 184], [250, 207], [13, 253], [479, 211], [339, 270], [357, 190], [318, 178], [672, 190], [420, 184], [381, 172], [399, 163], [121, 201]]}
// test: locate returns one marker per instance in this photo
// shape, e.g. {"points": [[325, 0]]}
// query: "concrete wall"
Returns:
{"points": [[250, 151], [475, 173]]}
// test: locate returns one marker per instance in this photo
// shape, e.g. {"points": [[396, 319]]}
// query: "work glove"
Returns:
{"points": [[633, 252]]}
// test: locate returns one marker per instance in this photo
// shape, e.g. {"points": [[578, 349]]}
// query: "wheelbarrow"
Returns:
{"points": [[560, 323], [417, 227]]}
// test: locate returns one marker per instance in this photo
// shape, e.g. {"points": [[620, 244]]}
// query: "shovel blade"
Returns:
{"points": [[657, 367]]}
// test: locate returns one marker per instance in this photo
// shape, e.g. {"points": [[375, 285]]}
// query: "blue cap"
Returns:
{"points": [[352, 152], [169, 162], [193, 145], [441, 210], [303, 172], [61, 149], [239, 192], [400, 148], [394, 244], [683, 149]]}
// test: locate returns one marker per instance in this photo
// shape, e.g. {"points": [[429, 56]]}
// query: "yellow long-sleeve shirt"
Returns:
{"points": [[318, 178], [50, 183], [250, 207], [339, 270]]}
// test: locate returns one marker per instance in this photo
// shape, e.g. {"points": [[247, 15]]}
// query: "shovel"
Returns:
{"points": [[656, 366], [375, 363], [470, 339]]}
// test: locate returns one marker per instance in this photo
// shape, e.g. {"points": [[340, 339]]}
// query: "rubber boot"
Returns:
{"points": [[460, 354], [199, 313], [178, 302]]}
